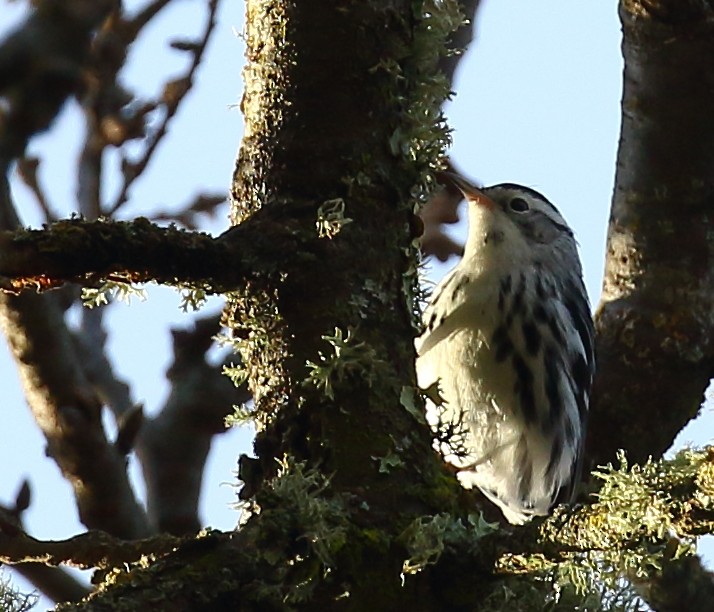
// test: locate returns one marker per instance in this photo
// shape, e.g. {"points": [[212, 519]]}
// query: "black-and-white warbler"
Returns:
{"points": [[508, 341]]}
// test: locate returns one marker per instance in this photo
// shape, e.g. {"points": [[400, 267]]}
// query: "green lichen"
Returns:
{"points": [[111, 290], [536, 593], [265, 38], [322, 519], [424, 135], [388, 462], [302, 528], [261, 347], [237, 374], [331, 218], [637, 528], [243, 414], [12, 599], [346, 357], [192, 298], [428, 537], [410, 401]]}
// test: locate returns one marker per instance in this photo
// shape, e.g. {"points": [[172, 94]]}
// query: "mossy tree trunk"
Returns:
{"points": [[342, 127], [328, 162], [324, 94]]}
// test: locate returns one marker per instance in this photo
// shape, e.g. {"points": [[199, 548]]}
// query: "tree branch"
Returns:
{"points": [[139, 251], [302, 518], [87, 251], [174, 93], [40, 67], [174, 445], [69, 414], [655, 342], [94, 549], [65, 406], [56, 583]]}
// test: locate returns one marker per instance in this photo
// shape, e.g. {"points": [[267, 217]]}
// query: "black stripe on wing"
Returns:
{"points": [[582, 368], [577, 305]]}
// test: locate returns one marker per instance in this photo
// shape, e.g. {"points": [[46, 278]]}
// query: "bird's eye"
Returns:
{"points": [[518, 205]]}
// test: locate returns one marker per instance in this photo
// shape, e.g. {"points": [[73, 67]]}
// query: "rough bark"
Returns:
{"points": [[287, 169], [655, 323]]}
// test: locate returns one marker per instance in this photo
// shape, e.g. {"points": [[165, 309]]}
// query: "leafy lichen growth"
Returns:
{"points": [[640, 524], [303, 528], [409, 399], [424, 135], [346, 357], [111, 290], [322, 519], [388, 462], [429, 536], [544, 592], [13, 600], [192, 298], [331, 218], [243, 414], [237, 374]]}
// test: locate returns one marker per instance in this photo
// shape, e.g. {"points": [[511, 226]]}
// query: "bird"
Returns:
{"points": [[506, 353]]}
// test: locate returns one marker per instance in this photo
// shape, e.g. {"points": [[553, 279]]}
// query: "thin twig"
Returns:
{"points": [[145, 15], [174, 93], [27, 171], [56, 583], [202, 204]]}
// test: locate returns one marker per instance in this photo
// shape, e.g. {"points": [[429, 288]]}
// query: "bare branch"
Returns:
{"points": [[173, 447], [146, 14], [105, 104], [174, 93], [64, 405], [27, 170], [69, 413], [55, 583], [40, 66], [188, 215], [90, 344]]}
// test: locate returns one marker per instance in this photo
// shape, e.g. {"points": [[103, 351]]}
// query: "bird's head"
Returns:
{"points": [[514, 223]]}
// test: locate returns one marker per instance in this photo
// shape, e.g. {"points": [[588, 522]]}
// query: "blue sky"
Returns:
{"points": [[538, 104]]}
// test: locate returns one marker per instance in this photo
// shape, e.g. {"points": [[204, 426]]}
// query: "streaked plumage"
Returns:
{"points": [[509, 339]]}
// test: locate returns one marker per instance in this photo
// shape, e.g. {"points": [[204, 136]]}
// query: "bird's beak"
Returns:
{"points": [[470, 191]]}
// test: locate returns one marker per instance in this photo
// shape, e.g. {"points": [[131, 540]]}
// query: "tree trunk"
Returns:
{"points": [[342, 127], [655, 323]]}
